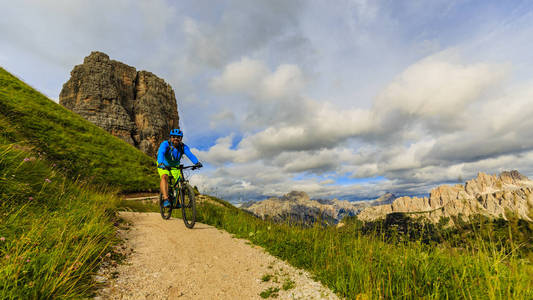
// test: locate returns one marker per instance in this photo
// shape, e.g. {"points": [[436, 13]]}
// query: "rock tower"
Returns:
{"points": [[136, 106]]}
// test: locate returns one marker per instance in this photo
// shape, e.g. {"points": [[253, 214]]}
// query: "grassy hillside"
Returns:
{"points": [[78, 148], [53, 231], [56, 205]]}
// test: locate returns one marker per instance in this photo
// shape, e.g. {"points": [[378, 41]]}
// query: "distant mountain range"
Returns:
{"points": [[297, 207], [490, 195]]}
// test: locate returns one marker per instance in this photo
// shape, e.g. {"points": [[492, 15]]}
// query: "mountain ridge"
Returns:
{"points": [[494, 196], [491, 195], [297, 206]]}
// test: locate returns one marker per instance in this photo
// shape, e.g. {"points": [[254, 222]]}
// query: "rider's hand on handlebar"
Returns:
{"points": [[198, 165], [163, 166]]}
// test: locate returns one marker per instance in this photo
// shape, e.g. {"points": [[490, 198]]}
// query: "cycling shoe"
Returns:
{"points": [[166, 203]]}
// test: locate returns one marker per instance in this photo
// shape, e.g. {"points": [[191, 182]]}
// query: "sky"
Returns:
{"points": [[346, 99]]}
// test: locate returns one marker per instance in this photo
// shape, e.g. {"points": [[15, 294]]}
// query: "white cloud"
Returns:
{"points": [[432, 88], [327, 181], [254, 79], [501, 126], [222, 118], [437, 90], [315, 91], [285, 82], [430, 115], [364, 170], [317, 162], [220, 153], [407, 158], [202, 46], [243, 76]]}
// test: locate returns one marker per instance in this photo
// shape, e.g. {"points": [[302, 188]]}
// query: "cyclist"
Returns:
{"points": [[169, 156]]}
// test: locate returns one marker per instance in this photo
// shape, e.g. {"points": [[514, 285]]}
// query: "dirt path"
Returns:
{"points": [[170, 261]]}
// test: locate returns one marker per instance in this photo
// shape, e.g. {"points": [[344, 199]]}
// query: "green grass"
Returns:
{"points": [[271, 292], [53, 231], [266, 277], [288, 284], [352, 262], [140, 206], [59, 176]]}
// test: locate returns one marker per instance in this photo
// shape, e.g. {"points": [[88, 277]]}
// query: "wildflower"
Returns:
{"points": [[28, 260], [26, 159], [53, 165], [48, 180], [30, 198], [7, 256], [2, 239]]}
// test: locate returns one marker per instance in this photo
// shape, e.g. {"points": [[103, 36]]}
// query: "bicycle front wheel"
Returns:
{"points": [[188, 206]]}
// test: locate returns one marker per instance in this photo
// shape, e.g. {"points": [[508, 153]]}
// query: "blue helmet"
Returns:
{"points": [[176, 132]]}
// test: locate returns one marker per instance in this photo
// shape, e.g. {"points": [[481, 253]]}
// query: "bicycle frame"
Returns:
{"points": [[178, 185]]}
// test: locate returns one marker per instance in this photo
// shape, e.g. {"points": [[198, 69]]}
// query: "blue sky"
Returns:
{"points": [[348, 99]]}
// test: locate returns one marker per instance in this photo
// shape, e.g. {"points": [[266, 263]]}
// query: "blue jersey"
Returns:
{"points": [[169, 156]]}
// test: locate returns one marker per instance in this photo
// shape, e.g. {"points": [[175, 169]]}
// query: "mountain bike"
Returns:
{"points": [[180, 195]]}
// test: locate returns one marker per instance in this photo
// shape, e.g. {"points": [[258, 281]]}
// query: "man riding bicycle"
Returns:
{"points": [[169, 156]]}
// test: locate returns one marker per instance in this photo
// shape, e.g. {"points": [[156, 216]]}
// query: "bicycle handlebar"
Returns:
{"points": [[181, 167]]}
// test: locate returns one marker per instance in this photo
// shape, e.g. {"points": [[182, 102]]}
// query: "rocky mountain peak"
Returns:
{"points": [[386, 198], [296, 196], [136, 106], [512, 177], [296, 206], [490, 195], [96, 57]]}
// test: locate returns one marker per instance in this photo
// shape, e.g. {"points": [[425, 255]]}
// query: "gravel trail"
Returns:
{"points": [[170, 261]]}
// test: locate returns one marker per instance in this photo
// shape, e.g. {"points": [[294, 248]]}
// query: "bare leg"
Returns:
{"points": [[163, 185]]}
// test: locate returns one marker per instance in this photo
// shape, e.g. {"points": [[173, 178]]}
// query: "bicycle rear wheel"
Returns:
{"points": [[188, 206], [166, 212]]}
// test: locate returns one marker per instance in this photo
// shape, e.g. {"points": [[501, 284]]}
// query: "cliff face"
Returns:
{"points": [[136, 106], [489, 195]]}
